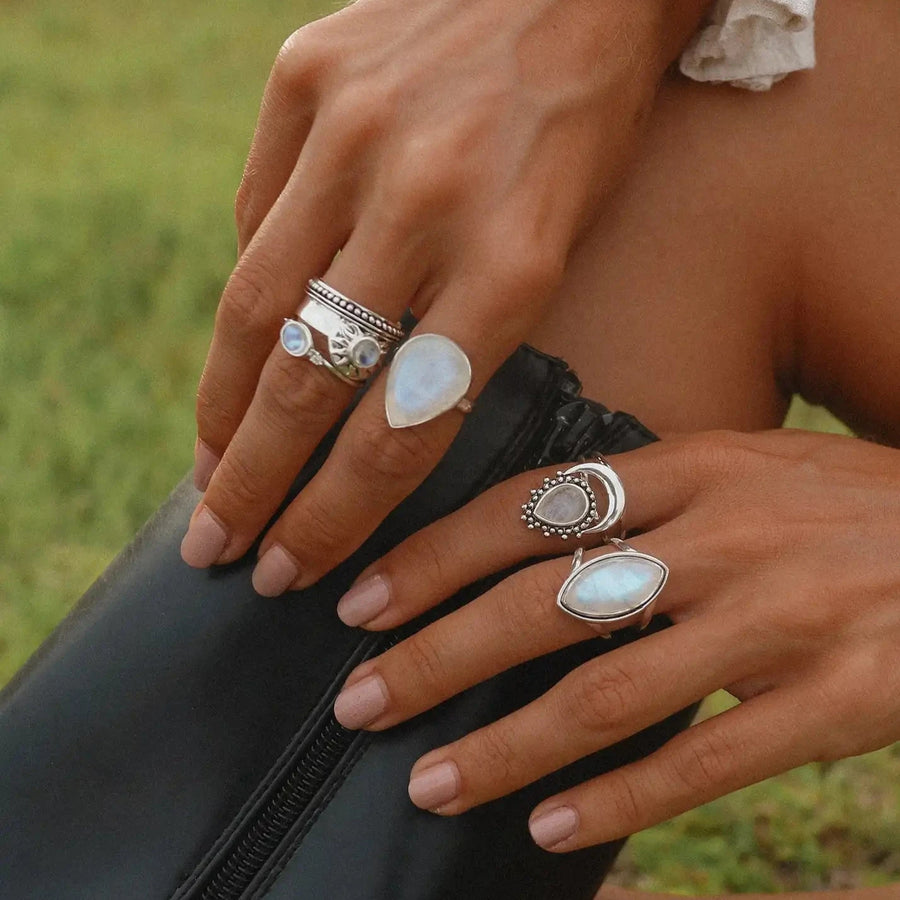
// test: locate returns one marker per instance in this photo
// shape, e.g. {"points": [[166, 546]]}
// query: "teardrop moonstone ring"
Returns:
{"points": [[429, 375]]}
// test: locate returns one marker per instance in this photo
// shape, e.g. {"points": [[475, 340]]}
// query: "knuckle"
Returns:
{"points": [[388, 458], [424, 655], [702, 761], [625, 807], [291, 393], [430, 560], [215, 414], [244, 308], [321, 538], [719, 456], [239, 481], [301, 58], [357, 115], [603, 697], [522, 610], [425, 178], [523, 266], [497, 754]]}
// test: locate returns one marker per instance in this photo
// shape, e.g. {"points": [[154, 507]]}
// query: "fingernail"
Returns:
{"points": [[205, 463], [362, 702], [435, 786], [275, 572], [364, 601], [204, 542], [554, 827]]}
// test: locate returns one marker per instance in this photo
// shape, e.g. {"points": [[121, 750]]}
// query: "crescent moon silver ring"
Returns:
{"points": [[565, 505]]}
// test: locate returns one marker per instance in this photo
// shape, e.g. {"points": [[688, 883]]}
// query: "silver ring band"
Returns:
{"points": [[335, 332], [355, 312]]}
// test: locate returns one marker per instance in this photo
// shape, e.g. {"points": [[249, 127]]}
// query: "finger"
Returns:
{"points": [[488, 535], [603, 701], [294, 406], [285, 118], [758, 739], [372, 466], [300, 236], [513, 622]]}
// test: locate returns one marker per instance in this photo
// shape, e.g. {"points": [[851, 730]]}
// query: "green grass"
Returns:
{"points": [[124, 130]]}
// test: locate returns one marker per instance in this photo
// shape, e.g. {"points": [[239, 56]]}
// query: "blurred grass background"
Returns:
{"points": [[123, 129]]}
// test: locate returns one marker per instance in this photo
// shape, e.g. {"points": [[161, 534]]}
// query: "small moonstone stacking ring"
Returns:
{"points": [[613, 590], [566, 505], [333, 331]]}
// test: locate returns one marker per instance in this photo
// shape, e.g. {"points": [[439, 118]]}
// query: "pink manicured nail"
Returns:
{"points": [[275, 572], [205, 463], [554, 827], [435, 786], [204, 542], [362, 702], [364, 601]]}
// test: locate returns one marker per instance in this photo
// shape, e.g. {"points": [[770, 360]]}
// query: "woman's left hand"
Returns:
{"points": [[784, 590]]}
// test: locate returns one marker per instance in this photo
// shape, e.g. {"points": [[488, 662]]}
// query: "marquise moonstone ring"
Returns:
{"points": [[613, 590]]}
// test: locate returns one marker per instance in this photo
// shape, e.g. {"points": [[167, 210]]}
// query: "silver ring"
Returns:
{"points": [[355, 312], [333, 331], [613, 590], [566, 504]]}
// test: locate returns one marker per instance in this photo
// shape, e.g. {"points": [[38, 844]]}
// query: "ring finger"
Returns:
{"points": [[294, 405]]}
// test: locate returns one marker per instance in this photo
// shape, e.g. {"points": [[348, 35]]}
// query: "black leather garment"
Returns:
{"points": [[174, 737]]}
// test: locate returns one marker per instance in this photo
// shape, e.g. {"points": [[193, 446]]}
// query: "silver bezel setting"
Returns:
{"points": [[565, 530], [639, 614], [608, 525]]}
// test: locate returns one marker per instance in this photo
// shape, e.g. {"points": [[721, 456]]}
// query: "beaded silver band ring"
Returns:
{"points": [[352, 310], [333, 331]]}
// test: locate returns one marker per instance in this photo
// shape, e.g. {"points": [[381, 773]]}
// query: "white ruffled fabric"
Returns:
{"points": [[752, 43]]}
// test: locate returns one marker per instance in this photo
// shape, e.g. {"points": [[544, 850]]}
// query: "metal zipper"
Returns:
{"points": [[306, 776]]}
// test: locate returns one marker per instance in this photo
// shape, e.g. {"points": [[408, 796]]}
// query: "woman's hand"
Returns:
{"points": [[452, 151], [784, 590]]}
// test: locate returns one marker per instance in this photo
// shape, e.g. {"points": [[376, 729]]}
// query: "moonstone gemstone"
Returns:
{"points": [[429, 375], [612, 585], [563, 504], [295, 338], [365, 353]]}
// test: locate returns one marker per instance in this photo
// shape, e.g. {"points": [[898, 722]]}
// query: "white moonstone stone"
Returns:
{"points": [[295, 338], [613, 585], [429, 375], [563, 504], [365, 353]]}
